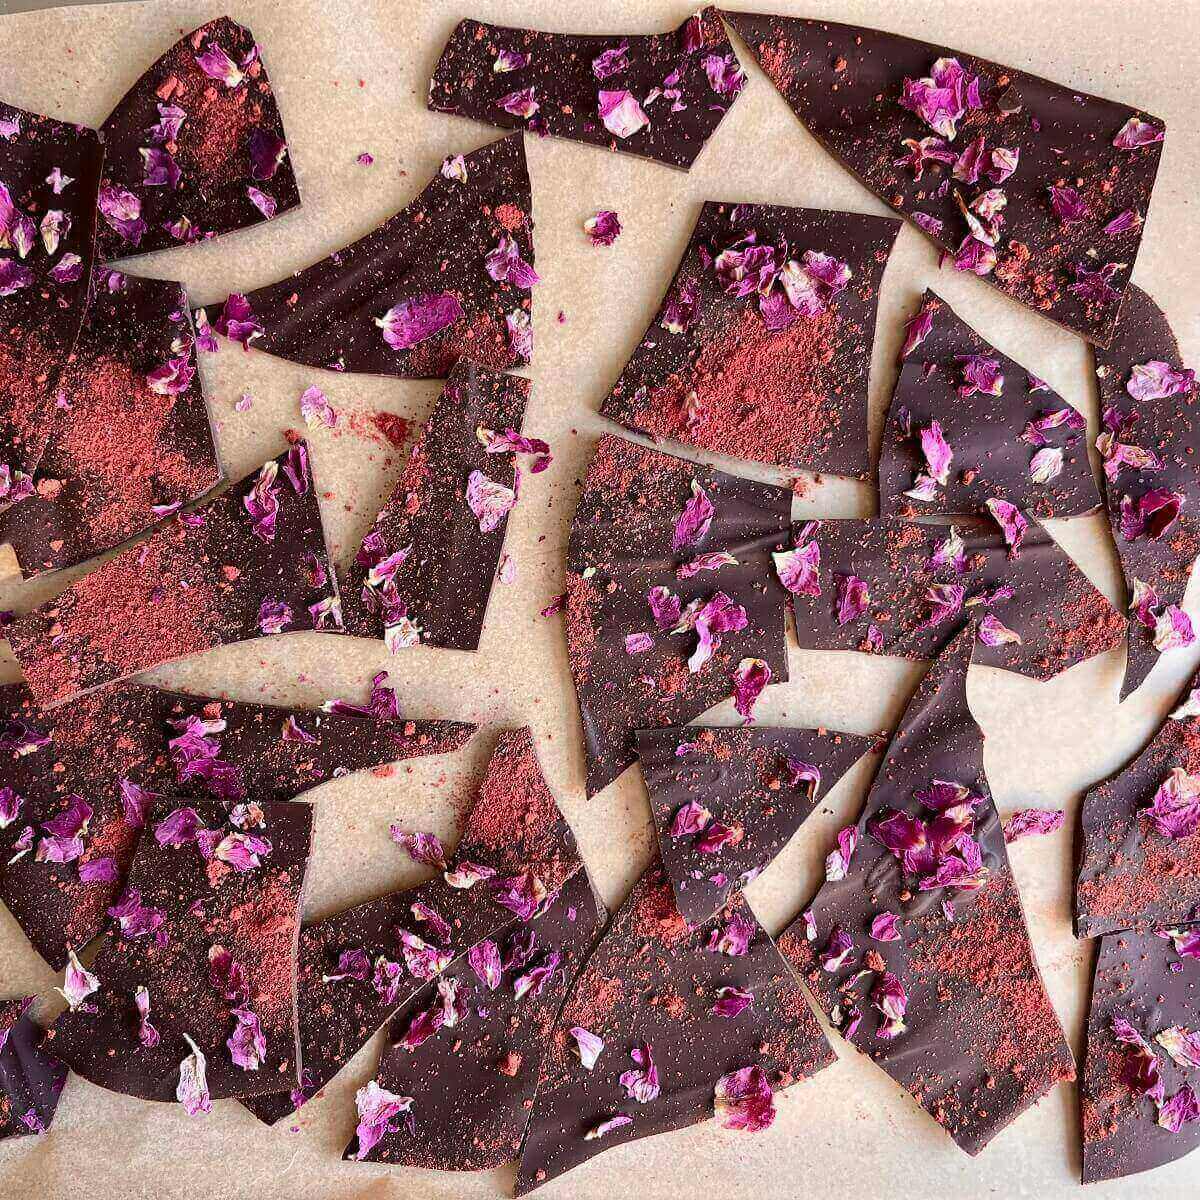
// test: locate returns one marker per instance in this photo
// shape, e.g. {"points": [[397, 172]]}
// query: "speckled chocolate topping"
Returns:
{"points": [[920, 954], [196, 147], [31, 1080], [472, 1083], [659, 96], [1067, 253], [754, 786], [1149, 403], [1145, 980], [762, 346], [913, 607], [650, 986], [448, 276], [249, 563], [208, 925], [444, 580], [999, 446], [131, 440]]}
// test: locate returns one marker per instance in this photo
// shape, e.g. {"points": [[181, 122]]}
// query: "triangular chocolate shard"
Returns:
{"points": [[762, 346], [686, 1019], [968, 425], [1037, 187], [725, 801], [916, 945], [195, 148], [31, 1080], [1149, 439], [445, 278]]}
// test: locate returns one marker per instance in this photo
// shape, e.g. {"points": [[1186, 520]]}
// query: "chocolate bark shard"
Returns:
{"points": [[846, 82], [1011, 437], [195, 148], [447, 560], [948, 1001], [650, 987], [659, 96], [913, 573], [515, 833], [208, 926], [49, 179], [762, 346], [131, 440], [1145, 980], [250, 562], [31, 1080], [726, 801], [86, 748], [1142, 373], [447, 277], [472, 1083]]}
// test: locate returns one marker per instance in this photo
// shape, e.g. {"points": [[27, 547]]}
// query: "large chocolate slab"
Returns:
{"points": [[729, 364], [845, 83], [755, 781], [445, 580], [217, 575], [659, 96], [991, 458], [978, 1041], [430, 258], [651, 985], [188, 147], [31, 1080]]}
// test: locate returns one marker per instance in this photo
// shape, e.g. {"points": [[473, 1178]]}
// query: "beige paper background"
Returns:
{"points": [[352, 77]]}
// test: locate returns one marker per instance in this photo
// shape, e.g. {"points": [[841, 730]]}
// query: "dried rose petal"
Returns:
{"points": [[938, 454], [620, 112], [1046, 464], [837, 861], [993, 632], [733, 938], [1182, 1109], [148, 1036], [693, 523], [1032, 822], [424, 848], [377, 1109], [1156, 380], [1136, 133], [135, 918], [1011, 521], [837, 950], [1182, 1046], [1175, 809], [890, 998], [981, 373], [587, 1045], [484, 958], [732, 1001], [604, 228], [1173, 629], [419, 318], [749, 679], [488, 500], [689, 818], [641, 1083], [851, 598], [884, 927], [916, 330], [638, 643], [799, 570], [607, 1126], [78, 983], [522, 103], [248, 1043], [192, 1090], [237, 321], [743, 1100]]}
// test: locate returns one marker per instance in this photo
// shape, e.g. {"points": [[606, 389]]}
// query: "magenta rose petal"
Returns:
{"points": [[31, 1080]]}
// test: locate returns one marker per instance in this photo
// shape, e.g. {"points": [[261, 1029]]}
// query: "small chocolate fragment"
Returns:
{"points": [[1038, 188], [31, 1080], [195, 148], [918, 950], [659, 96], [762, 346], [726, 801]]}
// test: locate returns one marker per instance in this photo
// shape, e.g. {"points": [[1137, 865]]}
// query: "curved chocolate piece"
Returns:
{"points": [[651, 985], [444, 580], [49, 178], [1054, 609], [660, 96], [439, 280], [473, 1083], [845, 83], [759, 782], [953, 1008], [195, 148], [734, 368], [1145, 980], [198, 898], [250, 562], [31, 1080], [1168, 427], [1002, 445]]}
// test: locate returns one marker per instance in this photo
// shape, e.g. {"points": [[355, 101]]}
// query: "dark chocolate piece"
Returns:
{"points": [[659, 96], [249, 563], [437, 593], [31, 1080], [1149, 437], [208, 926], [762, 346], [676, 997], [1025, 445], [1066, 240], [1145, 980], [447, 277], [924, 961], [913, 607], [726, 801], [195, 148]]}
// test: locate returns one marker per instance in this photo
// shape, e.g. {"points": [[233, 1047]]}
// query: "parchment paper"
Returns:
{"points": [[352, 77]]}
